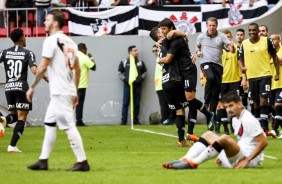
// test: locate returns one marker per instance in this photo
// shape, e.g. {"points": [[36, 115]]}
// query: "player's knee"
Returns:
{"points": [[224, 139]]}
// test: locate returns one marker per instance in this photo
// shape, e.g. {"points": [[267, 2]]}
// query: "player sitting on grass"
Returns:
{"points": [[247, 152]]}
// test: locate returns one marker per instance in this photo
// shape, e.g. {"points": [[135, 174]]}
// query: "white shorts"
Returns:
{"points": [[60, 110], [230, 162]]}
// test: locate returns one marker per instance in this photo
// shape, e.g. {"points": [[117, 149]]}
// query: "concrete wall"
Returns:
{"points": [[104, 95]]}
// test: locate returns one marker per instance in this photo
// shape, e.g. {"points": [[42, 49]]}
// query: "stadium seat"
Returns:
{"points": [[66, 30], [66, 17], [3, 32], [39, 32], [26, 30]]}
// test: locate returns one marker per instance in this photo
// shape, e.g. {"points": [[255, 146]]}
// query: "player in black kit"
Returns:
{"points": [[16, 61]]}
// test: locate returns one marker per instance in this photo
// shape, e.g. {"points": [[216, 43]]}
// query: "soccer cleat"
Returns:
{"points": [[169, 165], [80, 166], [211, 122], [2, 130], [39, 165], [12, 149], [191, 137], [272, 133], [183, 163], [184, 143]]}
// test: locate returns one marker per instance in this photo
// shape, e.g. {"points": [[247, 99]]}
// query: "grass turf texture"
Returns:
{"points": [[119, 155]]}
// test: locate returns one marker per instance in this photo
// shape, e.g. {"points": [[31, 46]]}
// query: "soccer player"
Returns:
{"points": [[173, 87], [246, 153], [255, 62], [16, 60], [209, 48], [276, 87], [230, 81], [86, 63], [59, 57], [178, 51]]}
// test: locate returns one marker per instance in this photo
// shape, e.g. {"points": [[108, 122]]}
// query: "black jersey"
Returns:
{"points": [[16, 61], [171, 71], [180, 49]]}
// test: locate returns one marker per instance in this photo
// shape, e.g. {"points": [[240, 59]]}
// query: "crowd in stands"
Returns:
{"points": [[33, 18]]}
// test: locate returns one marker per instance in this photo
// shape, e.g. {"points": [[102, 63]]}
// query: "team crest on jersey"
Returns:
{"points": [[234, 15], [184, 24], [103, 27]]}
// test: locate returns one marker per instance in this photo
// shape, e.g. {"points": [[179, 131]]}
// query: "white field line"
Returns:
{"points": [[169, 135]]}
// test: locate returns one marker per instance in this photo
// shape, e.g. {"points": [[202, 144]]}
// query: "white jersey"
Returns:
{"points": [[246, 128], [61, 50]]}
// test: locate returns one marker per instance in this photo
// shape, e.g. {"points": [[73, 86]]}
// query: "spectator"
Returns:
{"points": [[123, 72], [84, 3], [86, 63], [13, 19], [2, 17], [43, 7], [109, 3], [263, 30]]}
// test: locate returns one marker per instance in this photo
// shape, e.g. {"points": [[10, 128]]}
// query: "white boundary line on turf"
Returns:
{"points": [[169, 135]]}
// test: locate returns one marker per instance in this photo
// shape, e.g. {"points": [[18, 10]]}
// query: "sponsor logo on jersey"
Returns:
{"points": [[14, 85]]}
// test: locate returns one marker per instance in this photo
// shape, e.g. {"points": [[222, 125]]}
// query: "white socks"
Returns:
{"points": [[207, 154], [76, 144], [48, 142], [195, 150]]}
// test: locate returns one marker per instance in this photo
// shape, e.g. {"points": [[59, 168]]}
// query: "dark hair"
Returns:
{"points": [[166, 22], [231, 96], [81, 46], [131, 47], [212, 19], [58, 16], [266, 28], [254, 24], [154, 34], [240, 30], [16, 35]]}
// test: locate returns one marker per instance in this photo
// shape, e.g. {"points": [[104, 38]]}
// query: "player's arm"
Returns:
{"points": [[261, 144], [92, 64], [39, 75], [276, 60], [165, 60], [76, 69], [198, 51], [176, 33]]}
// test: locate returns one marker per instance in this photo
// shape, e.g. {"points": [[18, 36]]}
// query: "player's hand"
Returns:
{"points": [[242, 164], [199, 54], [276, 77], [89, 55], [244, 84], [75, 101], [243, 69], [46, 78], [29, 94], [159, 43]]}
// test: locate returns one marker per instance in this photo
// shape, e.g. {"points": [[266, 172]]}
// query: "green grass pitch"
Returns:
{"points": [[119, 155]]}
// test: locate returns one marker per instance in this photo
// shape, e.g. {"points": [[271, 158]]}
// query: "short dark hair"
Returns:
{"points": [[212, 19], [240, 30], [231, 96], [81, 46], [58, 16], [226, 31], [16, 35], [154, 34], [130, 48], [254, 24], [166, 22]]}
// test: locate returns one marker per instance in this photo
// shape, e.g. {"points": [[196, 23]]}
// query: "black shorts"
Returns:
{"points": [[260, 88], [233, 86], [175, 95], [16, 100], [190, 78], [278, 95]]}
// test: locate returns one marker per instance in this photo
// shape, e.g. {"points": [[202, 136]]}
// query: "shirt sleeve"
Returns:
{"points": [[198, 42], [252, 126], [271, 48], [31, 59], [48, 48], [88, 63], [1, 56]]}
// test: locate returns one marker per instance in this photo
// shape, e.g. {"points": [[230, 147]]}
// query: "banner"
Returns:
{"points": [[186, 19], [122, 20], [133, 20], [233, 14]]}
